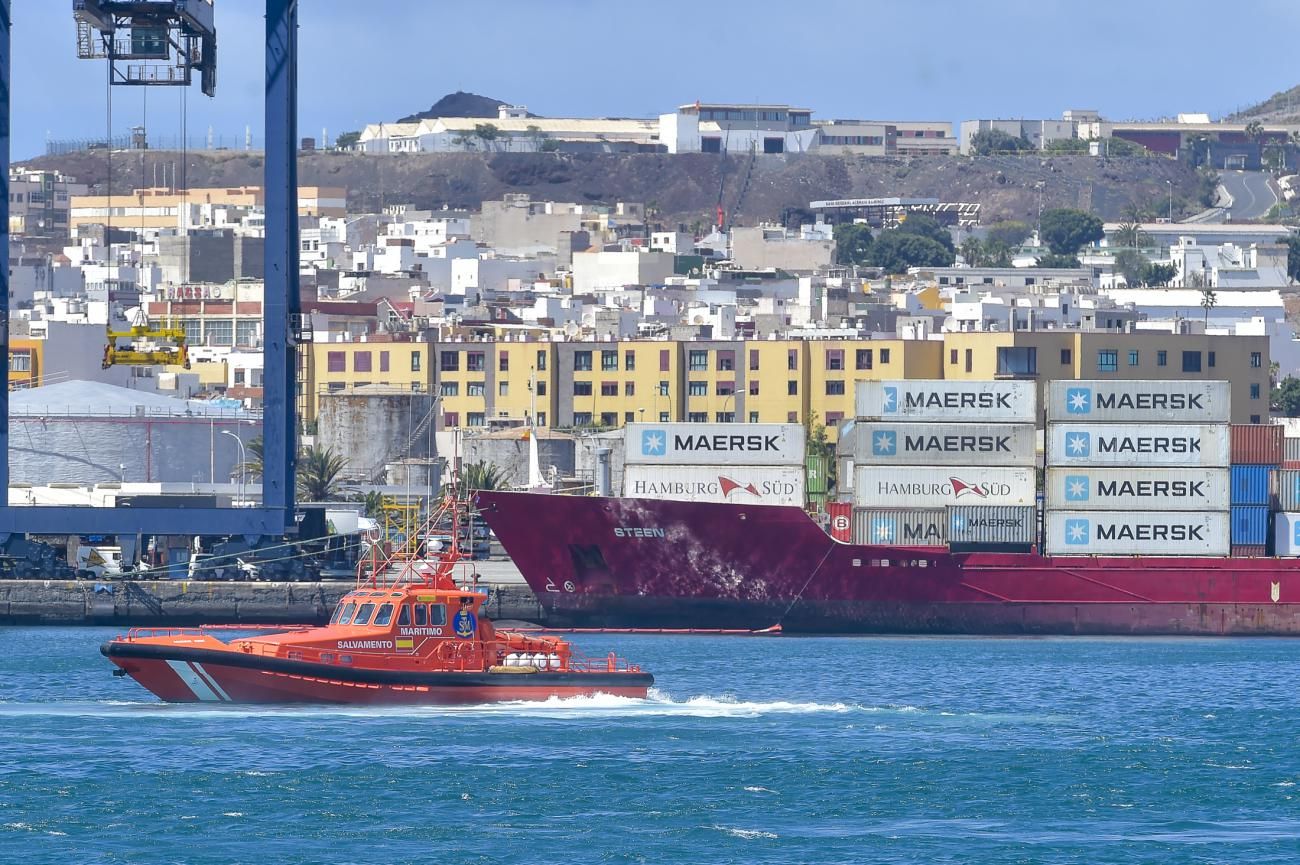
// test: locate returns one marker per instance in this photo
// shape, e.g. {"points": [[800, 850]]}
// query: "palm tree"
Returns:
{"points": [[255, 464], [480, 476], [1208, 301], [972, 251], [319, 471]]}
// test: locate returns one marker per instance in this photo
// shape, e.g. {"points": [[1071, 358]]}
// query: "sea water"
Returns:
{"points": [[759, 749]]}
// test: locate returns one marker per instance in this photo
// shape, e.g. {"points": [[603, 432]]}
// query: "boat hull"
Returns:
{"points": [[643, 563], [188, 675]]}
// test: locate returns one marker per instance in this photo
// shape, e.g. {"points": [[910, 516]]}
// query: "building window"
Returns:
{"points": [[753, 358], [1017, 360], [1065, 357], [503, 362], [1254, 418], [629, 417], [582, 418], [541, 418], [503, 388], [1132, 357], [582, 361], [415, 361], [753, 417], [753, 388], [663, 417], [541, 361], [609, 361], [970, 359], [21, 361], [449, 361], [629, 388], [697, 417], [864, 359], [665, 360], [833, 418], [337, 386], [725, 388], [726, 361], [1191, 361], [697, 361], [952, 357], [609, 388], [629, 361], [582, 388], [609, 418], [697, 388], [474, 362], [884, 355], [792, 359], [1107, 360], [725, 417], [541, 388], [476, 418], [475, 388], [450, 388], [1254, 391], [361, 361], [1256, 359], [835, 388], [451, 418], [1209, 360], [663, 388], [834, 358], [792, 387], [383, 361], [336, 361], [792, 417], [1162, 358]]}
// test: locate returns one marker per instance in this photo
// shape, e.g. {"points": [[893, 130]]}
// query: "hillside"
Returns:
{"points": [[1281, 107], [458, 104], [684, 188]]}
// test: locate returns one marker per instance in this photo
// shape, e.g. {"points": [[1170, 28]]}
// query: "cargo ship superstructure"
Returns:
{"points": [[1145, 513]]}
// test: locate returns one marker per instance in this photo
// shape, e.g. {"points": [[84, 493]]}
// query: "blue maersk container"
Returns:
{"points": [[1250, 485], [1249, 524]]}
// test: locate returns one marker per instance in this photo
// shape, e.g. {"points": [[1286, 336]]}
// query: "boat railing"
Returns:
{"points": [[611, 663], [147, 632]]}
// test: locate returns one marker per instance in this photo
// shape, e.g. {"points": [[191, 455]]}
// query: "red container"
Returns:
{"points": [[841, 514], [1290, 464], [1248, 551], [1258, 444]]}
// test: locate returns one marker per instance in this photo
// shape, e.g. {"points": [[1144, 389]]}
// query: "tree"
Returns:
{"points": [[1208, 301], [1129, 235], [927, 226], [1124, 147], [852, 243], [1130, 264], [895, 251], [972, 252], [487, 133], [1054, 260], [1293, 256], [996, 253], [479, 476], [1067, 145], [1286, 398], [319, 471], [992, 141], [1255, 132], [255, 464], [1066, 231], [347, 140], [1158, 274], [1010, 233]]}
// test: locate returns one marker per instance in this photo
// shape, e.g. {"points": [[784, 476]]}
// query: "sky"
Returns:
{"points": [[366, 62]]}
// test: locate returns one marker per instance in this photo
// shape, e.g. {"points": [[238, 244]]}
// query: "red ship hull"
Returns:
{"points": [[647, 563]]}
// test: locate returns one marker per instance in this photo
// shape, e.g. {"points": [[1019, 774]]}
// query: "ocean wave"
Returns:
{"points": [[747, 834]]}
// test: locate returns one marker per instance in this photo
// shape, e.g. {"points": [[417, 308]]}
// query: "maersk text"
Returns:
{"points": [[957, 444], [1150, 532], [1148, 445], [959, 399]]}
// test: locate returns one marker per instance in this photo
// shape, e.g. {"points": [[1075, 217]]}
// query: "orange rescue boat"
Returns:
{"points": [[407, 634]]}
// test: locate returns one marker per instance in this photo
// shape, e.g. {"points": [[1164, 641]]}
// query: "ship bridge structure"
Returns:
{"points": [[169, 43]]}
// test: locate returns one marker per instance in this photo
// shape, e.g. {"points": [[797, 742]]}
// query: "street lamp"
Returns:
{"points": [[243, 462], [1170, 184]]}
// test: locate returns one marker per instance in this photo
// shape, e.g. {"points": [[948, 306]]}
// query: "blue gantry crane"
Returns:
{"points": [[164, 42]]}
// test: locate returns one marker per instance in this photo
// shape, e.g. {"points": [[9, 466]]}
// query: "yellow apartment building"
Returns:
{"points": [[485, 383], [26, 362], [160, 207], [336, 366]]}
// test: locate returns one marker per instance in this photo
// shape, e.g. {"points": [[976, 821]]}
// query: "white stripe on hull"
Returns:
{"points": [[198, 687], [211, 681]]}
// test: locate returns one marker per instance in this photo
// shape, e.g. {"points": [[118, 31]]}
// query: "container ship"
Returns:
{"points": [[1150, 515]]}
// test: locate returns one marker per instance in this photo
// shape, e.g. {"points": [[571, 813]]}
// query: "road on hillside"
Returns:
{"points": [[1252, 194]]}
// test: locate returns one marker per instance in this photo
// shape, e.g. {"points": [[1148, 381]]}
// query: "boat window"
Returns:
{"points": [[338, 611], [384, 616], [327, 657], [437, 614], [404, 615], [345, 618], [420, 618], [363, 614]]}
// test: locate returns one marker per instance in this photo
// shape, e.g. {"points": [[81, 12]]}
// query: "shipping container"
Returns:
{"points": [[1250, 485], [1250, 524], [1286, 487], [1135, 445], [1286, 534], [1137, 533], [763, 485], [1291, 465], [908, 528], [1258, 444], [712, 444], [946, 401], [815, 469], [941, 444], [841, 521], [1083, 488], [844, 476], [1165, 401], [992, 524], [1248, 551], [933, 487], [1291, 450]]}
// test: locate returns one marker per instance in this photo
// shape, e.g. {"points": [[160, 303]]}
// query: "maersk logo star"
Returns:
{"points": [[653, 442], [884, 529], [884, 444], [1076, 531], [1078, 400], [890, 404], [1076, 488], [1078, 444], [1297, 533]]}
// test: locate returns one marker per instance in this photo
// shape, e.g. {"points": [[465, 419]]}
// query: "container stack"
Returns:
{"points": [[693, 462], [1138, 468], [1286, 497], [1291, 453], [1257, 453], [923, 447]]}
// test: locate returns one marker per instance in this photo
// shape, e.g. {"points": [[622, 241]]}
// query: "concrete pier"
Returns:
{"points": [[188, 602]]}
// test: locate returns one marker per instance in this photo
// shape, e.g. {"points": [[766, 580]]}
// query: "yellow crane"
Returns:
{"points": [[160, 343]]}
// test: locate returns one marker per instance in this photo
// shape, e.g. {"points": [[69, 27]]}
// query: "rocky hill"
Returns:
{"points": [[458, 104], [1281, 107], [684, 189]]}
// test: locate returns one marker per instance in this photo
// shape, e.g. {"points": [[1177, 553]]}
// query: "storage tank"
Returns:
{"points": [[374, 426]]}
